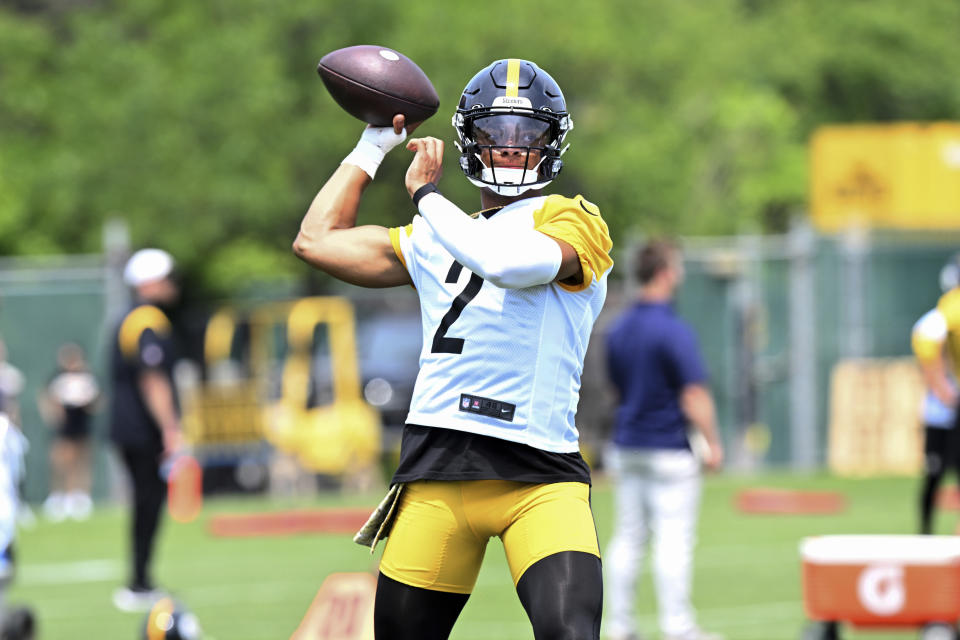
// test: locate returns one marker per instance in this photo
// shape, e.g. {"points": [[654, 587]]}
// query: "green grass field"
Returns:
{"points": [[747, 582]]}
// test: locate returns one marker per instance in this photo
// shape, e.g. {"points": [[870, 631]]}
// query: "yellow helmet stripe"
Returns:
{"points": [[513, 78]]}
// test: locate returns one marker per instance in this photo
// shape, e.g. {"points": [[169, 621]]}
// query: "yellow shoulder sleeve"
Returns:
{"points": [[137, 321], [395, 241], [924, 348], [949, 306], [928, 336], [577, 222]]}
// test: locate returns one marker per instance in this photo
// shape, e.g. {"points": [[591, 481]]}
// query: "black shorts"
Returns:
{"points": [[76, 424], [941, 449], [74, 433]]}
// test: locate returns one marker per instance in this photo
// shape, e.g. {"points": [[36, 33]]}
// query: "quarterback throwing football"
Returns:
{"points": [[508, 298]]}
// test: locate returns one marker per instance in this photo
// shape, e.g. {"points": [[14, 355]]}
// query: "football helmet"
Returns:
{"points": [[511, 124], [17, 623], [950, 274], [169, 620]]}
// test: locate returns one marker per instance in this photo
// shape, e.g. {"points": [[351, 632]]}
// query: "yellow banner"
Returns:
{"points": [[900, 176]]}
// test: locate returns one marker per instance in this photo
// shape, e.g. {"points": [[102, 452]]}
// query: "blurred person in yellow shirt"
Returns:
{"points": [[936, 343]]}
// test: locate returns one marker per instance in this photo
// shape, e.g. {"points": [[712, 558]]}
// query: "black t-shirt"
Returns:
{"points": [[431, 453], [142, 342]]}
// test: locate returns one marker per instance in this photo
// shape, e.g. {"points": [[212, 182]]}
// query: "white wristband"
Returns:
{"points": [[373, 147]]}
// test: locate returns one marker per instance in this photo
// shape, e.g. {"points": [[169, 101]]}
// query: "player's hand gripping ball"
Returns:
{"points": [[375, 83]]}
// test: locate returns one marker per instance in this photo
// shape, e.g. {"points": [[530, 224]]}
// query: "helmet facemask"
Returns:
{"points": [[511, 150]]}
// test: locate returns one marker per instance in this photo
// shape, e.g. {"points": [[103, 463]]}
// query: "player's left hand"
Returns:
{"points": [[427, 165], [713, 457]]}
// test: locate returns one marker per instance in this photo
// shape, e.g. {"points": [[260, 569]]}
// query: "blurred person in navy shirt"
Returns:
{"points": [[665, 429]]}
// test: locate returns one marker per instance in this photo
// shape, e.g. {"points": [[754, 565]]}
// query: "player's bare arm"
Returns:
{"points": [[928, 340], [697, 404], [538, 259], [158, 395], [329, 238], [935, 377], [571, 271]]}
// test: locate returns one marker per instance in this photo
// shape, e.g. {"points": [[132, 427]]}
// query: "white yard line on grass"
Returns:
{"points": [[67, 606], [759, 621], [762, 621], [260, 592], [69, 572], [752, 614]]}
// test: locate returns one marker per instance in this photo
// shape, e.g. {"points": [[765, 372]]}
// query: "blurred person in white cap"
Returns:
{"points": [[145, 416]]}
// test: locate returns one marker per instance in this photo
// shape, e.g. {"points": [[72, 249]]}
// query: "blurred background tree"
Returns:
{"points": [[205, 127]]}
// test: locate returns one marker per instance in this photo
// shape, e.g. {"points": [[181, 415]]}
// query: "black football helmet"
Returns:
{"points": [[950, 274], [17, 623], [170, 620], [511, 123]]}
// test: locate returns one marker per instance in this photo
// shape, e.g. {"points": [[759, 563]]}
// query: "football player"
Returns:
{"points": [[508, 298], [144, 413], [16, 623], [936, 344]]}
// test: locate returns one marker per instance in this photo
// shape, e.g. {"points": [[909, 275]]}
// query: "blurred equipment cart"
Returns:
{"points": [[338, 437], [883, 582], [283, 395], [223, 409]]}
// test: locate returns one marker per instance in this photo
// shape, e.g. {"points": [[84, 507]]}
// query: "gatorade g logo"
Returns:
{"points": [[881, 589]]}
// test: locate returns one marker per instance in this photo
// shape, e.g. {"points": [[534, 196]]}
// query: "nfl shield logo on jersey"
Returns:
{"points": [[465, 402]]}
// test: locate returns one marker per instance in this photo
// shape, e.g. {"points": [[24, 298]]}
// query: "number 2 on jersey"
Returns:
{"points": [[441, 343]]}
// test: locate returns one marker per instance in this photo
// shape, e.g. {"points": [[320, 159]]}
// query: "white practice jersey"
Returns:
{"points": [[929, 334], [13, 448], [502, 362]]}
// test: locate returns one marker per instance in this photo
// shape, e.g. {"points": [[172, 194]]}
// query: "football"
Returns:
{"points": [[375, 83]]}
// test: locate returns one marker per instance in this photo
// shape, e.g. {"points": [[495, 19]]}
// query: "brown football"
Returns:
{"points": [[375, 83]]}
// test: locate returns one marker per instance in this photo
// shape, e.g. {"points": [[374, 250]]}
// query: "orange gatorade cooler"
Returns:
{"points": [[882, 580]]}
